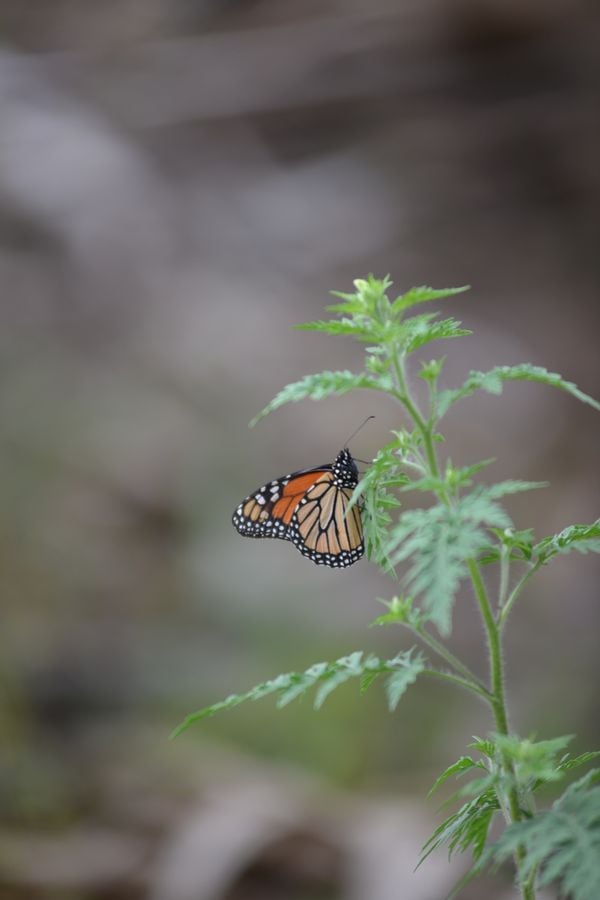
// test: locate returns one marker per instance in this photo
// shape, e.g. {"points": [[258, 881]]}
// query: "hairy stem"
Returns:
{"points": [[512, 597], [450, 658], [425, 428], [494, 648], [504, 577], [465, 683], [403, 395], [496, 696], [528, 888], [498, 704]]}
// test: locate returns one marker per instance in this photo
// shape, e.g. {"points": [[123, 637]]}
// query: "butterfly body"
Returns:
{"points": [[310, 509]]}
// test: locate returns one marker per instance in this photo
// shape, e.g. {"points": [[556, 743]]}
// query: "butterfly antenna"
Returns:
{"points": [[354, 433]]}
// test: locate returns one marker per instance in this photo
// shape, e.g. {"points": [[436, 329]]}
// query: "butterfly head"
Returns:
{"points": [[344, 469]]}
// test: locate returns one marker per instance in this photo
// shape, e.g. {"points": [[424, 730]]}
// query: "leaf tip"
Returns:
{"points": [[178, 730]]}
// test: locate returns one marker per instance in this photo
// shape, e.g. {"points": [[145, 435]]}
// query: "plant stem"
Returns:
{"points": [[404, 396], [450, 658], [496, 696], [465, 683], [528, 888], [504, 578], [505, 610], [498, 704], [494, 648]]}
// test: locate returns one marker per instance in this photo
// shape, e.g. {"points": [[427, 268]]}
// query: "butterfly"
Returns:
{"points": [[310, 509]]}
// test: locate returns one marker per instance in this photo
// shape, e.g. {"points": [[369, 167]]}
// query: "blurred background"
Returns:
{"points": [[180, 183]]}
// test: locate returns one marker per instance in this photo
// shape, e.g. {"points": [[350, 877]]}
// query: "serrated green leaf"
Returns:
{"points": [[493, 381], [424, 294], [513, 486], [455, 478], [584, 538], [428, 484], [485, 746], [318, 387], [439, 566], [461, 477], [403, 669], [463, 764], [480, 507], [350, 667], [376, 523], [407, 669], [569, 763], [534, 762], [300, 682], [351, 306], [438, 542], [358, 329], [562, 843], [465, 829], [422, 333], [374, 491]]}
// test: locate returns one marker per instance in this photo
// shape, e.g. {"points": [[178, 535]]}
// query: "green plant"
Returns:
{"points": [[462, 530]]}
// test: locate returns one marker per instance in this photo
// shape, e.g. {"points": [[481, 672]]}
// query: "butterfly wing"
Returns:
{"points": [[309, 508], [267, 512], [324, 529]]}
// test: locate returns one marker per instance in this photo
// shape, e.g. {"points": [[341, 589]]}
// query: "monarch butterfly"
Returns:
{"points": [[310, 509]]}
